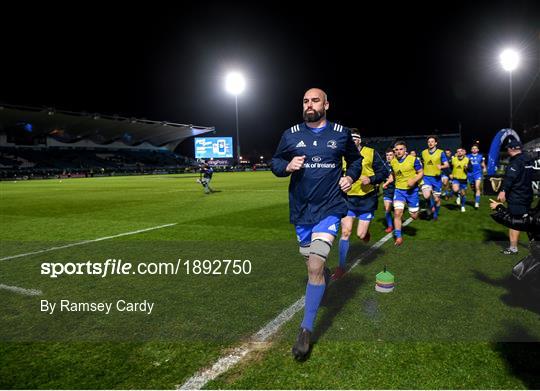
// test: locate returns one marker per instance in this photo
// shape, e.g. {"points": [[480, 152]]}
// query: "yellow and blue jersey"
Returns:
{"points": [[405, 169], [372, 167], [460, 167], [432, 160]]}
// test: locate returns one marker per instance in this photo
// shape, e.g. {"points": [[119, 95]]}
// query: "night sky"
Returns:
{"points": [[388, 70]]}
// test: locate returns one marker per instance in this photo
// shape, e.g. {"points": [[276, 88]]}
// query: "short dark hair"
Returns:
{"points": [[433, 137], [400, 142], [389, 149]]}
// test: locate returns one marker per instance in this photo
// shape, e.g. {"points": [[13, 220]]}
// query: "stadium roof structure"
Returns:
{"points": [[72, 127]]}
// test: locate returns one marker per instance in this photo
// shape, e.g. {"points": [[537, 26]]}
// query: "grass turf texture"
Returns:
{"points": [[449, 324]]}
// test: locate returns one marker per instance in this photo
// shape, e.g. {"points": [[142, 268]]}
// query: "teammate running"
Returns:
{"points": [[478, 164], [362, 201], [388, 192], [460, 167], [434, 161], [407, 172]]}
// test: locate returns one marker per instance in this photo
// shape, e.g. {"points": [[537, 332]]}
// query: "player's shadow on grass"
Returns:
{"points": [[338, 294], [518, 293], [500, 238], [382, 222], [522, 359], [453, 206], [425, 214], [409, 230]]}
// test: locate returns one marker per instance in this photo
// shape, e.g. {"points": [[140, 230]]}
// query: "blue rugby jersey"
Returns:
{"points": [[476, 162], [314, 191]]}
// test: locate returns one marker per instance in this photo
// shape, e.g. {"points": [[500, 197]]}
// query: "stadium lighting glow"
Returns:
{"points": [[509, 59], [235, 83]]}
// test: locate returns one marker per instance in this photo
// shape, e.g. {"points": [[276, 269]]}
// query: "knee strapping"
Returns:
{"points": [[320, 248], [305, 250]]}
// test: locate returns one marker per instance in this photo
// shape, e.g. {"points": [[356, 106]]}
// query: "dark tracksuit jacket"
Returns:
{"points": [[314, 191]]}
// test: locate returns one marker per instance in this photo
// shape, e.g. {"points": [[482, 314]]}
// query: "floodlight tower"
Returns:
{"points": [[509, 60], [235, 85]]}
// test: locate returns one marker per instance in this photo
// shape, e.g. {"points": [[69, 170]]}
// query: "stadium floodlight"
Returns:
{"points": [[509, 60], [235, 85]]}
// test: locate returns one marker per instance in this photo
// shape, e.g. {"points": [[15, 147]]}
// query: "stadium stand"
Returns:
{"points": [[42, 143], [416, 143]]}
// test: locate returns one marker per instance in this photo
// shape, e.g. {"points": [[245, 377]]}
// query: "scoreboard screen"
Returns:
{"points": [[213, 147]]}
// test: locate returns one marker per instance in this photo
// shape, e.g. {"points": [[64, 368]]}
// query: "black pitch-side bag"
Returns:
{"points": [[527, 269]]}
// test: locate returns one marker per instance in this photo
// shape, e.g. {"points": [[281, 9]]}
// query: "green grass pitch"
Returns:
{"points": [[455, 319]]}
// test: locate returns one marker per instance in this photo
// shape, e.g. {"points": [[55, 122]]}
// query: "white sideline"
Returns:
{"points": [[223, 364], [22, 291], [85, 242]]}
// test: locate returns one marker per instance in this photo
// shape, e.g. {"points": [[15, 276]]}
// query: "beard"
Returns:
{"points": [[313, 116]]}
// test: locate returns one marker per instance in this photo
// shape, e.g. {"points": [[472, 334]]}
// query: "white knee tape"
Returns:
{"points": [[399, 205]]}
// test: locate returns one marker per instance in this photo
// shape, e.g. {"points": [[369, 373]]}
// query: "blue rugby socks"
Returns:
{"points": [[389, 219], [343, 250], [314, 294]]}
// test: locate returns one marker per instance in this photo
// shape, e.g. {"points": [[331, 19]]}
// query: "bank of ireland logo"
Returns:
{"points": [[316, 159], [331, 144]]}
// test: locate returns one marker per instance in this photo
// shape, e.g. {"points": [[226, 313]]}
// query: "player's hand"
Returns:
{"points": [[345, 183], [365, 180], [385, 185], [493, 204], [501, 197], [296, 163], [410, 183], [439, 166]]}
